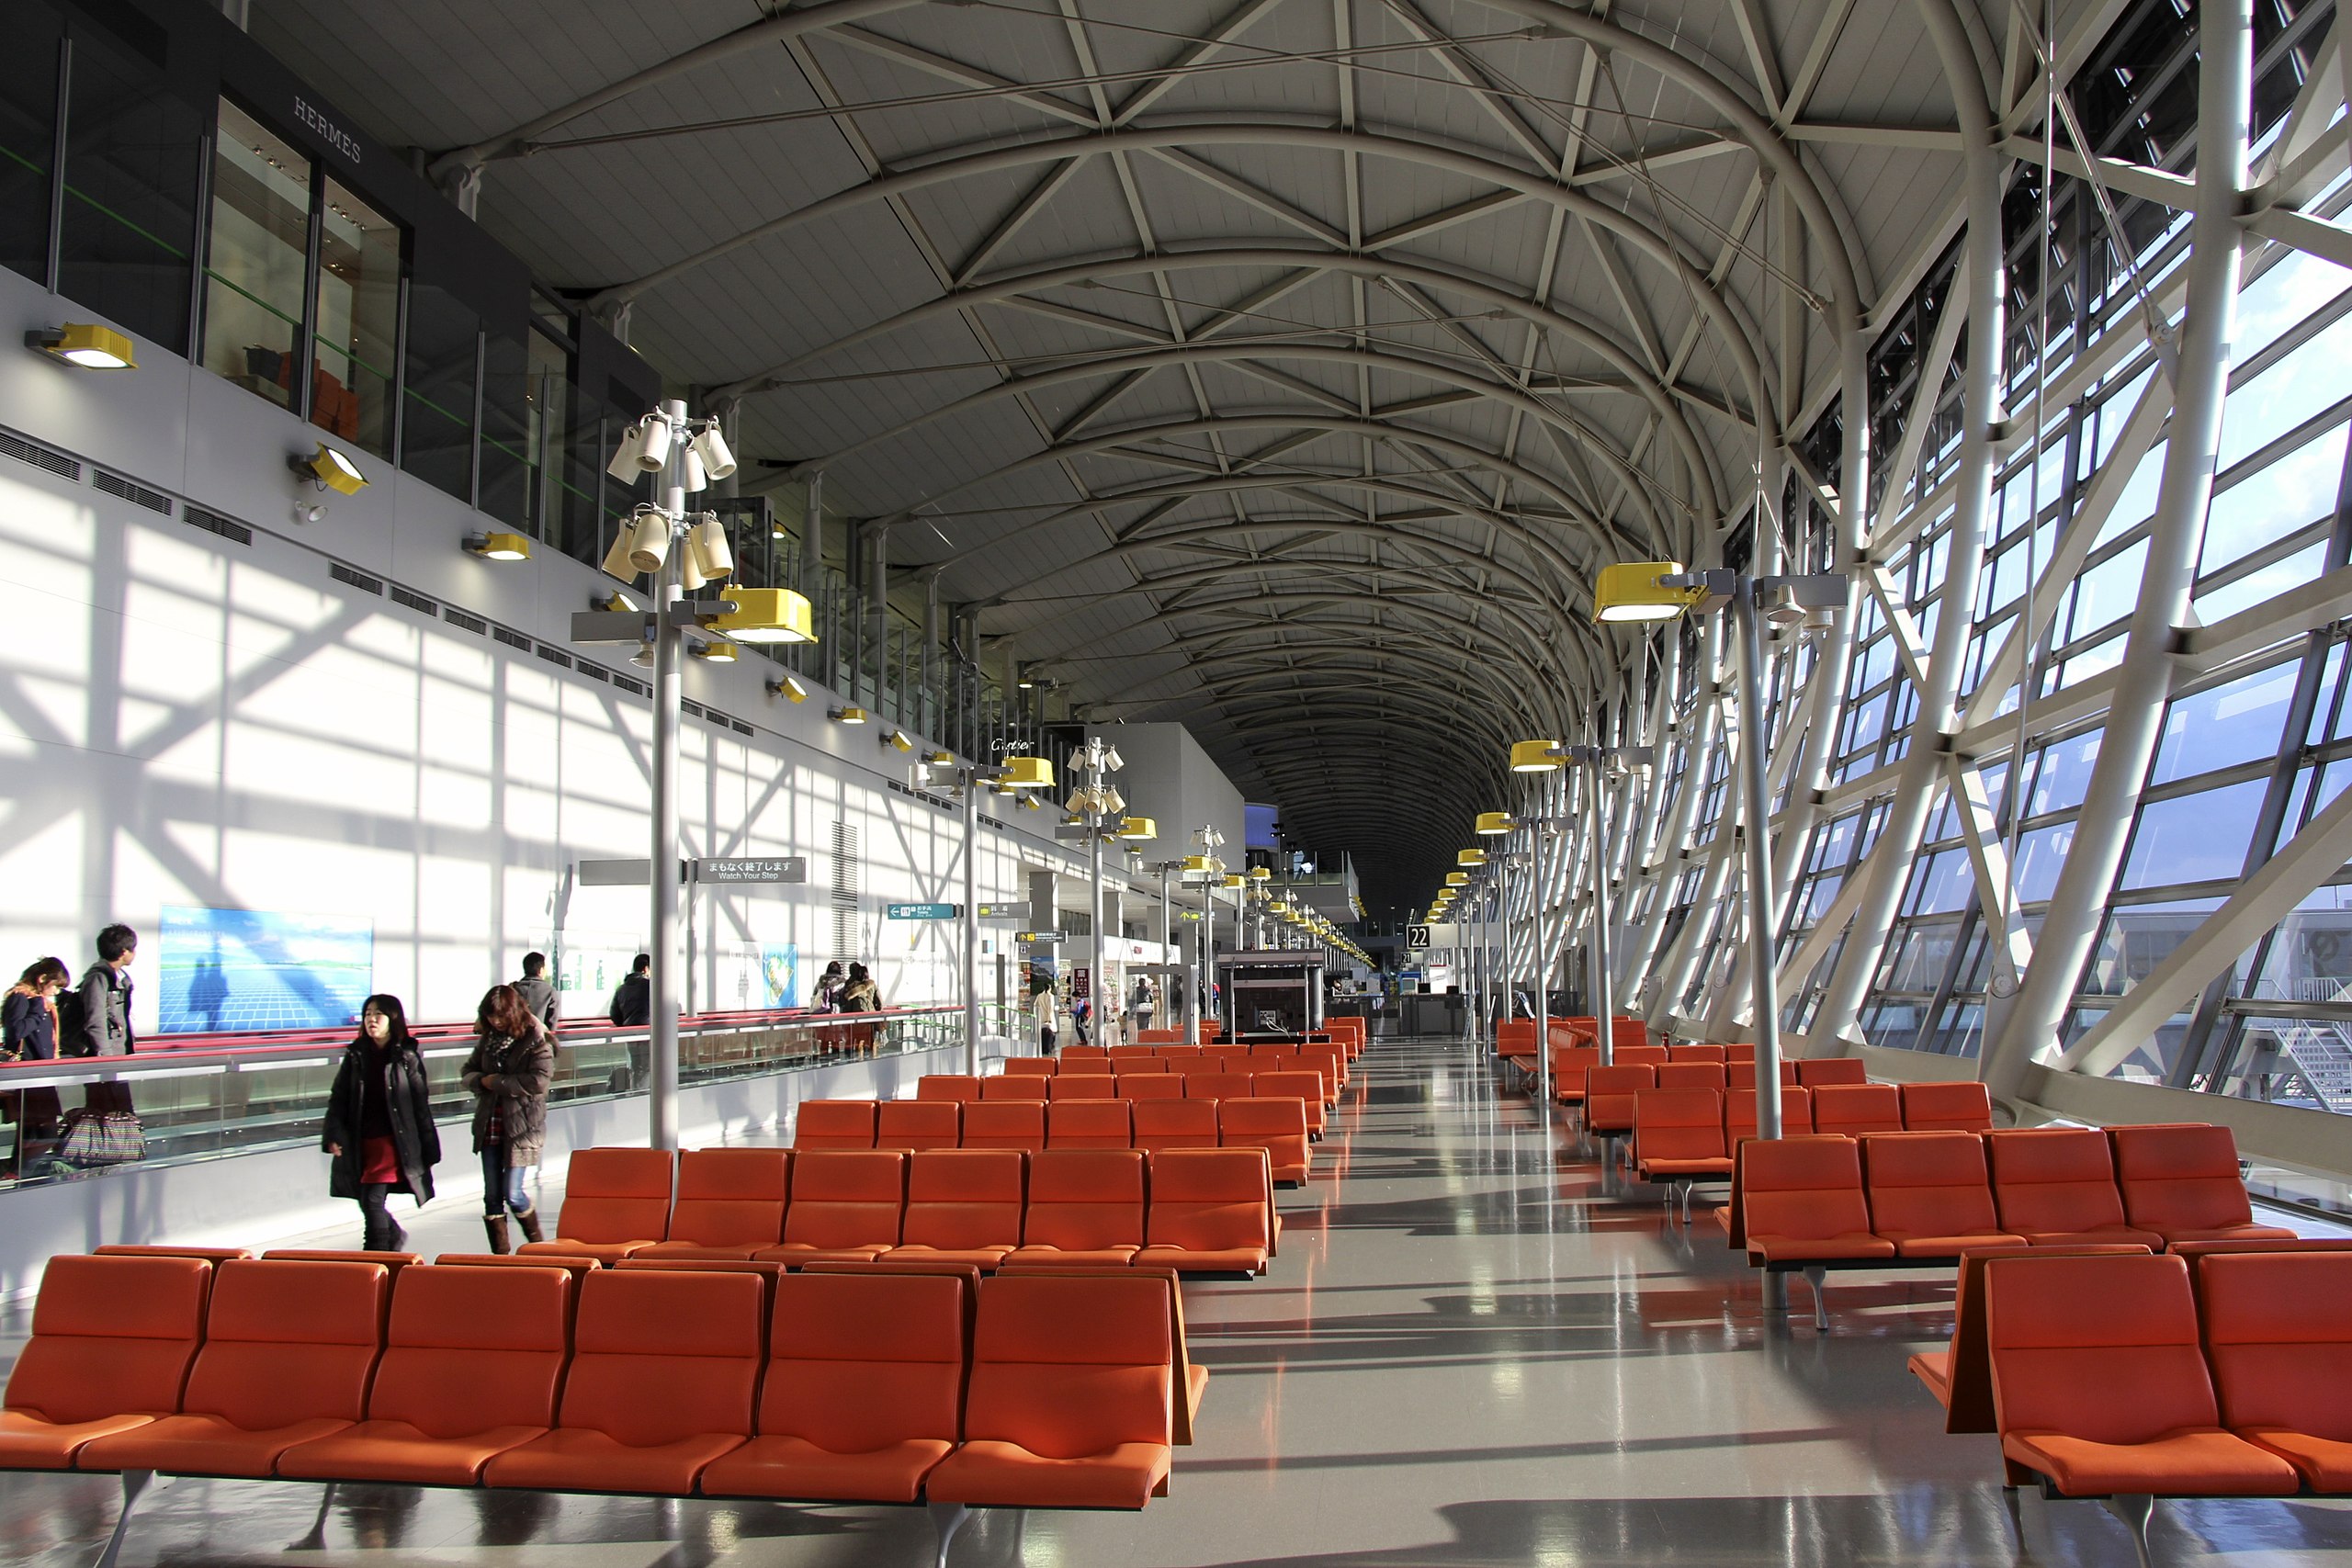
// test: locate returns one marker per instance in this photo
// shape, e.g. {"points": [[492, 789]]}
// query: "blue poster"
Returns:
{"points": [[245, 969], [780, 974]]}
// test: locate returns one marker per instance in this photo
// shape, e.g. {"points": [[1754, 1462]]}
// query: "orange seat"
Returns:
{"points": [[572, 1263], [918, 1124], [863, 1392], [960, 1086], [1691, 1075], [1174, 1124], [730, 1203], [1277, 1126], [1963, 1107], [1856, 1109], [1070, 1401], [664, 1366], [1217, 1086], [1226, 1052], [1084, 1054], [615, 1202], [1815, 1071], [140, 1249], [1211, 1211], [1739, 1114], [1802, 1200], [1678, 1133], [1030, 1067], [472, 1362], [2055, 1186], [1960, 1375], [846, 1203], [112, 1338], [1084, 1085], [1717, 1054], [833, 1124], [1637, 1055], [1088, 1123], [1304, 1086], [1159, 1036], [1929, 1194], [1739, 1051], [289, 1348], [1015, 1087], [2182, 1182], [963, 1206], [1085, 1207], [2279, 1333], [1569, 1065], [1005, 1124], [1609, 1097], [1150, 1086], [2100, 1384], [1140, 1062], [392, 1262]]}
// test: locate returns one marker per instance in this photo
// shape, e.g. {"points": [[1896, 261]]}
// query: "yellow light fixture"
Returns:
{"points": [[766, 615], [846, 714], [897, 741], [941, 758], [330, 470], [1631, 591], [789, 688], [1260, 874], [1138, 828], [1469, 857], [499, 546], [86, 344], [1493, 822], [1232, 881], [719, 652], [1197, 868], [1535, 757], [1026, 773], [1029, 803]]}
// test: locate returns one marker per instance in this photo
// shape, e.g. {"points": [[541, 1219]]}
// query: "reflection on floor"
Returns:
{"points": [[1476, 1348]]}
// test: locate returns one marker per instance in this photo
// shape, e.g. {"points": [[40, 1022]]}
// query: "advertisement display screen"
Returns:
{"points": [[244, 969], [1259, 825]]}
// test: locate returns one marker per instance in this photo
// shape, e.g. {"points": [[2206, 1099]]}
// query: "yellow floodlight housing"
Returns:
{"points": [[766, 615], [1535, 757], [1232, 881], [1469, 857], [1026, 773], [86, 344], [1491, 823], [1457, 879], [1138, 828], [1631, 591]]}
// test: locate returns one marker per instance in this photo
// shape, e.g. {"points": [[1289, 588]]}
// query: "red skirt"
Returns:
{"points": [[379, 1160]]}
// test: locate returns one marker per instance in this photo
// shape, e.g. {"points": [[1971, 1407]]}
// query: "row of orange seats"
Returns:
{"points": [[2130, 1377], [1681, 1133], [1515, 1037], [1690, 1066], [1207, 1210], [1304, 1082], [874, 1386], [1281, 1124], [1351, 1032], [1817, 1201], [1137, 1060]]}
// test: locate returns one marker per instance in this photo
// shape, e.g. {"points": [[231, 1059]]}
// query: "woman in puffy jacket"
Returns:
{"points": [[508, 1074], [378, 1129]]}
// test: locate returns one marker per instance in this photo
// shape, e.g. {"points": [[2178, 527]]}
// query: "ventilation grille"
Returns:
{"points": [[630, 684], [593, 671], [555, 656], [360, 579], [512, 639], [414, 601], [138, 495], [466, 623], [738, 726], [844, 864], [213, 522], [692, 708], [40, 456]]}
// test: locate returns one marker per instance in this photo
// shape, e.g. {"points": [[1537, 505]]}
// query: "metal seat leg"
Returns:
{"points": [[947, 1518]]}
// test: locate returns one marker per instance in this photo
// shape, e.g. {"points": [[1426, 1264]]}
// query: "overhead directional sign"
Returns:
{"points": [[1005, 911], [775, 868], [922, 911], [1041, 937], [1417, 937]]}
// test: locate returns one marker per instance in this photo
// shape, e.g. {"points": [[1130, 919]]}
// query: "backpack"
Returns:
{"points": [[71, 1038]]}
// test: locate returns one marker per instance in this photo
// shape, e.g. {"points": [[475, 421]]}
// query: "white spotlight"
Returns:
{"points": [[649, 540], [656, 451], [624, 466], [690, 477], [707, 547], [710, 447]]}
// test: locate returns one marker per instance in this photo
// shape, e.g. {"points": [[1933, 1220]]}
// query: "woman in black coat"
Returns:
{"points": [[379, 1127]]}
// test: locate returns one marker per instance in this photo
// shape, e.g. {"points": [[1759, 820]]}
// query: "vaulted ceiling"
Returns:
{"points": [[1285, 368]]}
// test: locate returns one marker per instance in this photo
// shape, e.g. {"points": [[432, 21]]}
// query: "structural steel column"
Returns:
{"points": [[1888, 869], [2144, 680]]}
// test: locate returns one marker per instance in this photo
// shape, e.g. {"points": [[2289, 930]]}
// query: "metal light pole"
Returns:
{"points": [[669, 691], [1536, 832], [1756, 802], [971, 922]]}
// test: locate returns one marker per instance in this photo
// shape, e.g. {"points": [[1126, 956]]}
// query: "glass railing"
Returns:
{"points": [[207, 1096]]}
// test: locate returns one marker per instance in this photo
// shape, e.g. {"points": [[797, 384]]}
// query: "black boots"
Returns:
{"points": [[529, 1220], [497, 1229]]}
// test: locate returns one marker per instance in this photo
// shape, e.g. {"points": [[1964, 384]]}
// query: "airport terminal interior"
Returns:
{"points": [[1317, 783]]}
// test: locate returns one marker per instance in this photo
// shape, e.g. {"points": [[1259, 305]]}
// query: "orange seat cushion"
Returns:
{"points": [[2206, 1462], [398, 1452], [991, 1471], [1933, 1368], [204, 1445], [112, 1340], [794, 1467], [2324, 1462], [1204, 1260], [29, 1442], [580, 1460]]}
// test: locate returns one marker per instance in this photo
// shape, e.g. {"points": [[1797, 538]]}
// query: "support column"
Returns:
{"points": [[2144, 680], [1921, 778]]}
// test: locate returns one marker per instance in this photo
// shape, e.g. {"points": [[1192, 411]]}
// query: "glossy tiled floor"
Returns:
{"points": [[1468, 1353]]}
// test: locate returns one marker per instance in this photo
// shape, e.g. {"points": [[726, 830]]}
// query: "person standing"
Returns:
{"points": [[29, 1033], [378, 1129], [827, 997], [1139, 1004], [509, 1073], [537, 991], [1041, 1005], [633, 1009], [861, 993], [101, 1026]]}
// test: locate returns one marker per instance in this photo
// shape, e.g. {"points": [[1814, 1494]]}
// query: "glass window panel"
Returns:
{"points": [[1920, 956], [2039, 854], [2138, 502], [258, 252], [133, 157], [2288, 293], [28, 132], [2063, 772], [2107, 422], [1943, 883], [2228, 725], [2092, 661], [2139, 937], [437, 432], [2194, 838], [2108, 592], [358, 322], [2262, 584], [2286, 1060], [2272, 502], [2282, 397], [506, 467]]}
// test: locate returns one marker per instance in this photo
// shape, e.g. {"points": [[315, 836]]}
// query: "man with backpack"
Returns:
{"points": [[95, 1020]]}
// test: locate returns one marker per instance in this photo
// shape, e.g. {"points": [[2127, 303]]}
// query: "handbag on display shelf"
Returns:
{"points": [[111, 1138]]}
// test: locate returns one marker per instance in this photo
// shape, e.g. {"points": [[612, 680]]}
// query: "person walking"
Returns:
{"points": [[537, 991], [378, 1129], [1041, 1005], [509, 1072], [1139, 1004], [861, 994], [633, 1009], [29, 1033], [827, 997], [100, 1024]]}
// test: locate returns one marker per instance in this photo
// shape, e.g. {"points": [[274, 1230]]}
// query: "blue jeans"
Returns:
{"points": [[502, 1186]]}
